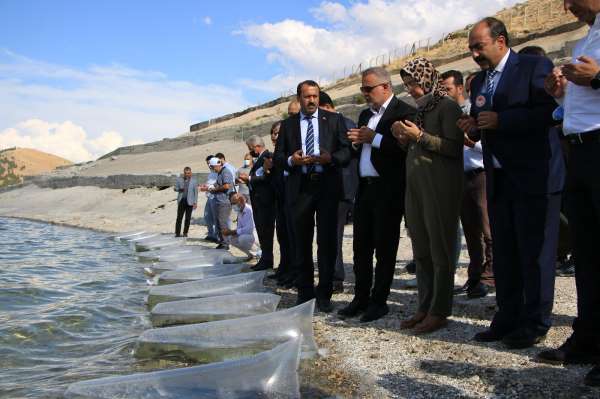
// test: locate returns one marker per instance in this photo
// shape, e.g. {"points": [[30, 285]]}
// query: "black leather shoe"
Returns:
{"points": [[338, 287], [261, 266], [374, 312], [522, 338], [488, 335], [274, 276], [592, 378], [571, 352], [223, 246], [466, 287], [411, 267], [354, 308], [324, 305], [303, 298], [478, 290]]}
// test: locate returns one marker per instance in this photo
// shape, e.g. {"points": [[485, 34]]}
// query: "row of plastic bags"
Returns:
{"points": [[217, 315]]}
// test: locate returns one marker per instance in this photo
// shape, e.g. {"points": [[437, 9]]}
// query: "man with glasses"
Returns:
{"points": [[379, 203], [512, 114]]}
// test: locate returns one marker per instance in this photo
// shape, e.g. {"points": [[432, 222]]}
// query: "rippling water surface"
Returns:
{"points": [[71, 308]]}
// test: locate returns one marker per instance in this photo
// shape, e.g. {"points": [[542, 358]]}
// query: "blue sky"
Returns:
{"points": [[100, 74]]}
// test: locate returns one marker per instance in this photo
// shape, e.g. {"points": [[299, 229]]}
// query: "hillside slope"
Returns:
{"points": [[18, 162]]}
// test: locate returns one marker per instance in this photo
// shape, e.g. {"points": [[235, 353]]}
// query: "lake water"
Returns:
{"points": [[71, 308]]}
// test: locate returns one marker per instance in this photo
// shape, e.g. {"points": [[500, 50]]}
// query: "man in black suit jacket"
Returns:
{"points": [[379, 202], [313, 147], [525, 176], [262, 197]]}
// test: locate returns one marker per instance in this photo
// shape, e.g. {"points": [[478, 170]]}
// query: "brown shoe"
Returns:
{"points": [[430, 324], [413, 321]]}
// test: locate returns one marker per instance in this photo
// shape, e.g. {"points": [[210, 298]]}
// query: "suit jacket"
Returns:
{"points": [[528, 151], [350, 172], [332, 138], [192, 194], [389, 160], [261, 186]]}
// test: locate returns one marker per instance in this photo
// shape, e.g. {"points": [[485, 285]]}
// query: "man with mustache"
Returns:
{"points": [[512, 115], [577, 87], [312, 146]]}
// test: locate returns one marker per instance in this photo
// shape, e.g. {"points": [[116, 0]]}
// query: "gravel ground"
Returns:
{"points": [[447, 363], [375, 360]]}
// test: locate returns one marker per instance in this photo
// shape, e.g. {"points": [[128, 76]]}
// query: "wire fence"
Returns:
{"points": [[522, 18], [535, 15]]}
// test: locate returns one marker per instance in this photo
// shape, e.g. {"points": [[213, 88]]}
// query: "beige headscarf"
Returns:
{"points": [[428, 78]]}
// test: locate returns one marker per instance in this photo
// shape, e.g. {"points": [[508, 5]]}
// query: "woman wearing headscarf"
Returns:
{"points": [[434, 173]]}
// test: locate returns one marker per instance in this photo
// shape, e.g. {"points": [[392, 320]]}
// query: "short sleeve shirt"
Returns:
{"points": [[225, 177]]}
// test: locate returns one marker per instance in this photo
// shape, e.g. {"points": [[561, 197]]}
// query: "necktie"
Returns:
{"points": [[490, 82], [310, 137]]}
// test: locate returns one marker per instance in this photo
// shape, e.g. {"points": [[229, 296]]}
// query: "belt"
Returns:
{"points": [[473, 172], [313, 176], [583, 138], [370, 180]]}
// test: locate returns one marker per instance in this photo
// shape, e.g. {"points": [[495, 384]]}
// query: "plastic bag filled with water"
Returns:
{"points": [[161, 267], [181, 252], [128, 236], [160, 243], [214, 308], [230, 339], [271, 375], [236, 284], [200, 273]]}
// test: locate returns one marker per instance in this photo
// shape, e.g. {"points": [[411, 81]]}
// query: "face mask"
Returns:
{"points": [[254, 153], [236, 208], [246, 162]]}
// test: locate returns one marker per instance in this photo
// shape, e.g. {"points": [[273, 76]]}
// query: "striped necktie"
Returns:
{"points": [[491, 74], [310, 137]]}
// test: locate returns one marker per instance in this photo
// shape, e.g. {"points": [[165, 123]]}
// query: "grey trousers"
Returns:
{"points": [[223, 218]]}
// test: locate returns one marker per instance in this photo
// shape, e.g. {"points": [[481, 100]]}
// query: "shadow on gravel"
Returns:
{"points": [[540, 381]]}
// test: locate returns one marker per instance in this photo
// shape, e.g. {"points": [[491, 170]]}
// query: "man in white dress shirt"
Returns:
{"points": [[379, 203], [577, 87], [473, 215]]}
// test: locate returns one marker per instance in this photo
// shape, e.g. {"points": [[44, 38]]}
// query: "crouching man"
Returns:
{"points": [[243, 236]]}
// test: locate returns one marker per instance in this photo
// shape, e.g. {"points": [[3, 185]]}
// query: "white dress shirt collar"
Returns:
{"points": [[314, 115], [384, 106], [500, 67]]}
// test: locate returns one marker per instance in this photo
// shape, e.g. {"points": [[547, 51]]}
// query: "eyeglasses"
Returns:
{"points": [[368, 89]]}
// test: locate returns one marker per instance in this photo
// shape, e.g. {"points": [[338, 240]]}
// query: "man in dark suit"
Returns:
{"points": [[262, 197], [312, 146], [350, 186], [379, 202], [524, 176]]}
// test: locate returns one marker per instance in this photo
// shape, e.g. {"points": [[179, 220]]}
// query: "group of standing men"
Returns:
{"points": [[513, 173]]}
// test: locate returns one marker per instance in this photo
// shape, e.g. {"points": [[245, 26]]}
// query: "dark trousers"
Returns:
{"points": [[583, 207], [377, 214], [315, 201], [344, 207], [264, 220], [564, 238], [525, 233], [476, 227], [183, 208], [282, 224]]}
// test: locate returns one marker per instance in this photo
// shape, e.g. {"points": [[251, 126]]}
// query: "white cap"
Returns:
{"points": [[214, 161]]}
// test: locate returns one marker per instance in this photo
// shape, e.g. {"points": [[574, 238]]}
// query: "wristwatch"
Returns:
{"points": [[595, 83]]}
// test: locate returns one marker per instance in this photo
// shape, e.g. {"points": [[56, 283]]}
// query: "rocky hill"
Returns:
{"points": [[16, 163]]}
